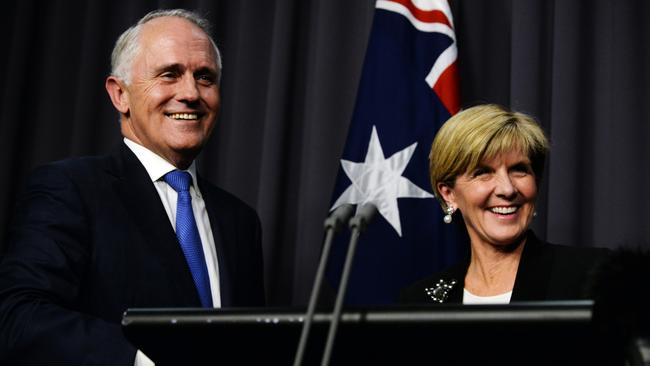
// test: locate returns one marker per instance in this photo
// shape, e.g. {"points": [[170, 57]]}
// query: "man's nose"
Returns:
{"points": [[188, 89]]}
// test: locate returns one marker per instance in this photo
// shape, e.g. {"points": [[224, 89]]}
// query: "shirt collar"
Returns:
{"points": [[155, 165]]}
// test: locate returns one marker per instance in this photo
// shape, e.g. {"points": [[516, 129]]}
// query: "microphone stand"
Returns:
{"points": [[332, 224], [358, 224]]}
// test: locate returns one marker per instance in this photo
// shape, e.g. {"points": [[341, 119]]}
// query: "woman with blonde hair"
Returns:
{"points": [[486, 163]]}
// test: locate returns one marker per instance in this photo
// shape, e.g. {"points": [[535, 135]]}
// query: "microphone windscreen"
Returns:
{"points": [[367, 211], [340, 216], [364, 215]]}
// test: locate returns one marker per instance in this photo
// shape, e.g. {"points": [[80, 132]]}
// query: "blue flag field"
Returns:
{"points": [[408, 89]]}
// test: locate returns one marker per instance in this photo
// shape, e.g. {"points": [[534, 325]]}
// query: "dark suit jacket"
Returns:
{"points": [[90, 239], [546, 272]]}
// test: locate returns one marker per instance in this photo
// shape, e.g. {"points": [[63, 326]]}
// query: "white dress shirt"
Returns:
{"points": [[157, 167]]}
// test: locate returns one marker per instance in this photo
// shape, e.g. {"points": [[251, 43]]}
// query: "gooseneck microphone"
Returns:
{"points": [[358, 224], [339, 218]]}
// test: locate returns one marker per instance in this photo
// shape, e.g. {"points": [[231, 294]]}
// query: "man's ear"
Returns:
{"points": [[118, 94], [447, 193]]}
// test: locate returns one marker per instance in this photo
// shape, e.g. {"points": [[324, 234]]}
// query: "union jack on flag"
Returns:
{"points": [[408, 89]]}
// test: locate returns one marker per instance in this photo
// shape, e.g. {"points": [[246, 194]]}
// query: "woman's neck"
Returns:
{"points": [[492, 270]]}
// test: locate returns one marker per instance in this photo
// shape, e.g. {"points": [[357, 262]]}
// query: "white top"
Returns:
{"points": [[470, 298]]}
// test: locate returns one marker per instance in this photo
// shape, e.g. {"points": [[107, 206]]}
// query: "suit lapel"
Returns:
{"points": [[534, 271], [143, 204], [223, 232], [456, 273]]}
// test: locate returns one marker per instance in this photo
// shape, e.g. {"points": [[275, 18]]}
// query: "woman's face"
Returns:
{"points": [[497, 199]]}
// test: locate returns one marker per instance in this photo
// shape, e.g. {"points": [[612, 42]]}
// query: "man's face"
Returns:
{"points": [[173, 97]]}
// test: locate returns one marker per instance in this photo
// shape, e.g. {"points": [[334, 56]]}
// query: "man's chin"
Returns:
{"points": [[187, 144], [181, 156], [187, 150]]}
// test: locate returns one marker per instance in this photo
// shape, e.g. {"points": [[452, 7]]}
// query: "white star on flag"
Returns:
{"points": [[379, 181]]}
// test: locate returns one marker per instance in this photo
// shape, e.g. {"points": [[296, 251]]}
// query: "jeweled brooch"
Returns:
{"points": [[440, 292]]}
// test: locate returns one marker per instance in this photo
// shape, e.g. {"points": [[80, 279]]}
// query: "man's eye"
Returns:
{"points": [[168, 75], [206, 79]]}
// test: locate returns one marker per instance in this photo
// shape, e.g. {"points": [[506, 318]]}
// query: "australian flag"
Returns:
{"points": [[408, 89]]}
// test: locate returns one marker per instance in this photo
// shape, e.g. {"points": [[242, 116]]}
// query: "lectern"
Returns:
{"points": [[549, 333]]}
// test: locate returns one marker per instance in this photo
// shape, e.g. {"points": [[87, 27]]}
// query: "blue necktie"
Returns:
{"points": [[188, 234]]}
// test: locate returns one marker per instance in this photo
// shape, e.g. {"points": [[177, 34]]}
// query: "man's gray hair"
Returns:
{"points": [[127, 45]]}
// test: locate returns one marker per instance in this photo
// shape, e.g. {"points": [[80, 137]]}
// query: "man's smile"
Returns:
{"points": [[184, 116]]}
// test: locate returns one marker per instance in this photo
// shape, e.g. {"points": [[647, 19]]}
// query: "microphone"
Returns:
{"points": [[358, 224], [339, 217], [332, 224]]}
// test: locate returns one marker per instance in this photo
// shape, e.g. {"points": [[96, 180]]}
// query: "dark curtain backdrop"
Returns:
{"points": [[291, 69]]}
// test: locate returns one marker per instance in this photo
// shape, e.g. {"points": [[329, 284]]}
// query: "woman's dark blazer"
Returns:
{"points": [[546, 272]]}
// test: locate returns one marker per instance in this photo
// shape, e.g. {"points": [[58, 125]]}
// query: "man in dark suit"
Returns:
{"points": [[94, 236]]}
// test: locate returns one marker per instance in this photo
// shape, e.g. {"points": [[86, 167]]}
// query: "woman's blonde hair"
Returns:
{"points": [[480, 133]]}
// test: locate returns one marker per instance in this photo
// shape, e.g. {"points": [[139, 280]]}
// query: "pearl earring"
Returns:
{"points": [[447, 219]]}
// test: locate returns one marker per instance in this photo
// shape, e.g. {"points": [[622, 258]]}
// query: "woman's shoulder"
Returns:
{"points": [[579, 255], [573, 269], [563, 253]]}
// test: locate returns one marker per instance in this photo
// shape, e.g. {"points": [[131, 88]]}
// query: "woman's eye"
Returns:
{"points": [[479, 172], [521, 169]]}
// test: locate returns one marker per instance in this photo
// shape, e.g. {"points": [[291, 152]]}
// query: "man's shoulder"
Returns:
{"points": [[75, 168], [79, 163]]}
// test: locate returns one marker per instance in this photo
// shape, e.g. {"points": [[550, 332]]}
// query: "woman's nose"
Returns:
{"points": [[504, 186]]}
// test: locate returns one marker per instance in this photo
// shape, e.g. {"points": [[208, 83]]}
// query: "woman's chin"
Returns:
{"points": [[505, 239]]}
